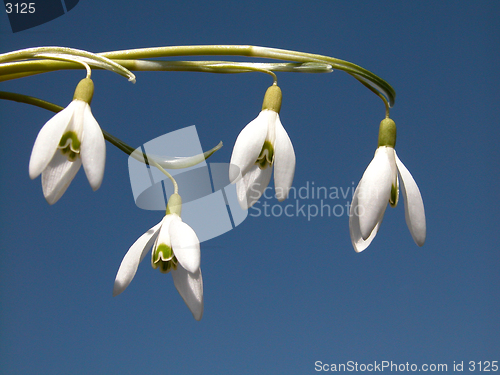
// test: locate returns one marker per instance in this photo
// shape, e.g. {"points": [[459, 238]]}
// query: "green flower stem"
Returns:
{"points": [[30, 100], [69, 59], [16, 70], [375, 83], [263, 52], [228, 67], [70, 54], [175, 164], [8, 77], [176, 187], [387, 106], [207, 66]]}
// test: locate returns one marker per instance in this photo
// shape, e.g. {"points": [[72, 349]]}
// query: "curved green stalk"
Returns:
{"points": [[176, 187], [70, 54], [120, 58], [264, 52], [387, 106], [22, 69]]}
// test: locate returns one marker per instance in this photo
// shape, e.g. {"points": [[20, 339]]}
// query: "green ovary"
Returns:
{"points": [[163, 257], [266, 156], [70, 145]]}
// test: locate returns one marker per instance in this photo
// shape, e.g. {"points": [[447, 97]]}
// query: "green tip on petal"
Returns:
{"points": [[70, 145], [84, 90], [164, 252], [174, 205], [164, 258], [272, 99], [387, 133], [266, 156], [70, 139]]}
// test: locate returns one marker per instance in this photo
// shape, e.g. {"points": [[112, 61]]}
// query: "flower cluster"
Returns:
{"points": [[73, 138]]}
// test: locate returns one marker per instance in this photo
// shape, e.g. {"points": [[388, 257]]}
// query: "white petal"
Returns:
{"points": [[48, 139], [164, 234], [57, 176], [76, 122], [249, 144], [284, 162], [185, 244], [250, 188], [375, 190], [357, 240], [93, 149], [134, 256], [190, 287], [414, 205]]}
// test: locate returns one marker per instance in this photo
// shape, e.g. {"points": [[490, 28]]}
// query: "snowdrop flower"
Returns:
{"points": [[379, 186], [69, 139], [175, 248], [262, 145]]}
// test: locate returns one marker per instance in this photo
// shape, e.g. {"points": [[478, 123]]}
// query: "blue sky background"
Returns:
{"points": [[280, 292]]}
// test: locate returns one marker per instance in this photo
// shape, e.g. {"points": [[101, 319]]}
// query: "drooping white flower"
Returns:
{"points": [[175, 249], [69, 139], [380, 186], [261, 146]]}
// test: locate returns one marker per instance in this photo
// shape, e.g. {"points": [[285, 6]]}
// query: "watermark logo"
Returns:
{"points": [[209, 202], [309, 202], [25, 15]]}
